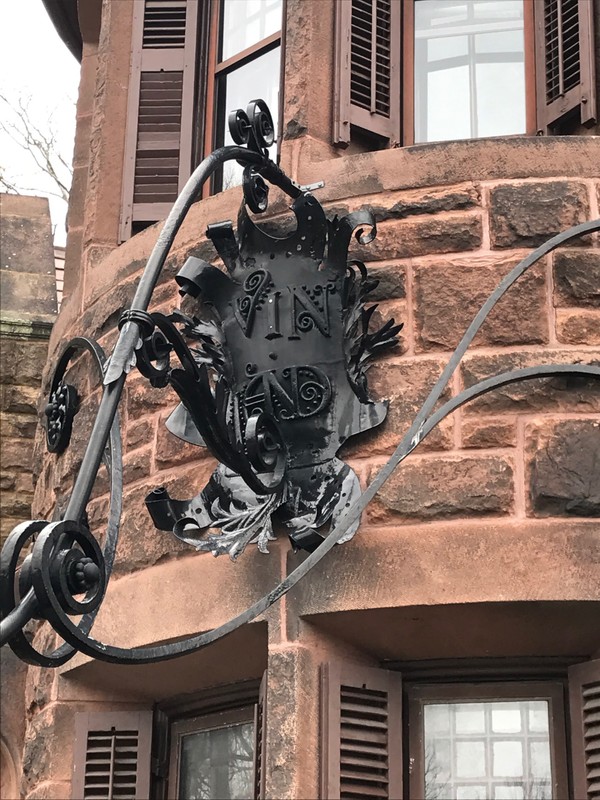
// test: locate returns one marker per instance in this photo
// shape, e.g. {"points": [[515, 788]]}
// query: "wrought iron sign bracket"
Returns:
{"points": [[269, 359]]}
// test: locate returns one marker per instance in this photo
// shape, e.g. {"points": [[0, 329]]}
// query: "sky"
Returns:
{"points": [[38, 69]]}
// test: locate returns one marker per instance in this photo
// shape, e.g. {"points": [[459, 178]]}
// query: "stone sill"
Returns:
{"points": [[24, 328]]}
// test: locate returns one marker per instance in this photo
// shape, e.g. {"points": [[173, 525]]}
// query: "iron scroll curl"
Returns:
{"points": [[67, 563]]}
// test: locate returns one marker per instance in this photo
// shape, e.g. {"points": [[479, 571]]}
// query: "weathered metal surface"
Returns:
{"points": [[274, 382], [272, 378]]}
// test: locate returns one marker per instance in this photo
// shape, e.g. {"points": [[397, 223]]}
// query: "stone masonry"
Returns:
{"points": [[490, 477], [28, 291], [28, 310]]}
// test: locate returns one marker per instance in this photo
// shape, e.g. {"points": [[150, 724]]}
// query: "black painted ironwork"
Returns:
{"points": [[271, 363]]}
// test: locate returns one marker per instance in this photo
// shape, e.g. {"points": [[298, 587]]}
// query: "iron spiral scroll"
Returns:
{"points": [[57, 571]]}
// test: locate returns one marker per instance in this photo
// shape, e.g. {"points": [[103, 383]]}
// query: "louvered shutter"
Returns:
{"points": [[260, 739], [361, 732], [158, 146], [565, 61], [584, 701], [112, 756], [367, 68]]}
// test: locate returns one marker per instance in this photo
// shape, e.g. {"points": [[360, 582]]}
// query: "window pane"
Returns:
{"points": [[492, 750], [246, 22], [258, 78], [217, 764], [469, 69]]}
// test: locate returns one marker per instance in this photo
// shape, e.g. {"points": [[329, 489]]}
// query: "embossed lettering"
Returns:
{"points": [[287, 394]]}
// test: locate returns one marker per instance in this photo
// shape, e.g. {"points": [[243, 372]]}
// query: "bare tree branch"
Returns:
{"points": [[17, 123]]}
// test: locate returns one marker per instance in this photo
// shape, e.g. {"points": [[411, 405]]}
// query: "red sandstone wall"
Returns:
{"points": [[438, 254], [500, 505]]}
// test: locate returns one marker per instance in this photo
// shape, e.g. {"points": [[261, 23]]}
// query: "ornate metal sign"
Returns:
{"points": [[269, 360], [285, 334]]}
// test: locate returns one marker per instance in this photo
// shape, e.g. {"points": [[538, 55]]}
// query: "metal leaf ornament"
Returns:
{"points": [[280, 344]]}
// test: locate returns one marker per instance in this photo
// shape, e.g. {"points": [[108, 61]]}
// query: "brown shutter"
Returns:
{"points": [[260, 738], [565, 68], [367, 68], [584, 699], [158, 144], [361, 732], [112, 756]]}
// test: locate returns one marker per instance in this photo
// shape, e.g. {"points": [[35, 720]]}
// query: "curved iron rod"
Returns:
{"points": [[149, 654], [121, 359], [18, 617], [27, 608]]}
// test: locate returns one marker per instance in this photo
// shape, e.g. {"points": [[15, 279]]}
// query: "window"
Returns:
{"points": [[500, 741], [213, 756], [209, 747], [192, 62], [411, 71], [246, 59], [486, 739], [469, 69]]}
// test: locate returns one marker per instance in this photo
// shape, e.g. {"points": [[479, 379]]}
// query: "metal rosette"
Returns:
{"points": [[51, 570]]}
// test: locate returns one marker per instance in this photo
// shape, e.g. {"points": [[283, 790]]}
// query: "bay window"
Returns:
{"points": [[415, 71]]}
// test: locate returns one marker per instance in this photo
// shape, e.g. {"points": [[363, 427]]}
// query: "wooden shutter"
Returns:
{"points": [[158, 145], [584, 699], [260, 739], [367, 68], [565, 67], [112, 756], [361, 732]]}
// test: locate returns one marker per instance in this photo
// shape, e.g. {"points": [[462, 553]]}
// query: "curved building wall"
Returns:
{"points": [[479, 557], [482, 545]]}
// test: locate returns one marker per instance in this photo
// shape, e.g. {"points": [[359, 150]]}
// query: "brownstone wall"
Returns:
{"points": [[28, 309], [439, 252], [500, 505], [28, 291]]}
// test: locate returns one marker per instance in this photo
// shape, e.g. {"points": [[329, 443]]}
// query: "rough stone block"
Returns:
{"points": [[139, 433], [429, 201], [15, 454], [542, 394], [564, 468], [18, 426], [577, 278], [104, 314], [526, 214], [20, 399], [47, 752], [16, 504], [142, 399], [448, 296], [7, 481], [581, 326], [137, 464], [406, 386], [22, 360], [28, 295], [442, 487], [50, 790], [26, 237], [449, 233], [171, 451], [392, 282], [491, 432]]}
